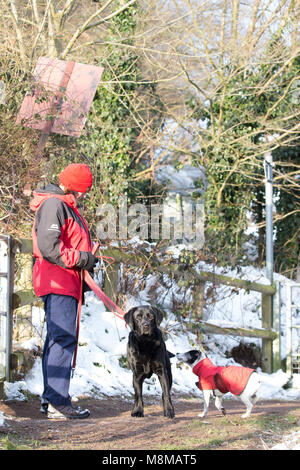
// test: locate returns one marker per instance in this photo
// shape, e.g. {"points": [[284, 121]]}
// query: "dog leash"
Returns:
{"points": [[102, 296], [85, 276], [99, 292]]}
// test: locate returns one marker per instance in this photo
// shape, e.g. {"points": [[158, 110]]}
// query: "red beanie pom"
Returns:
{"points": [[77, 177]]}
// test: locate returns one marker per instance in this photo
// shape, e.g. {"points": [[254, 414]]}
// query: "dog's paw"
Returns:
{"points": [[202, 415], [245, 415], [223, 411]]}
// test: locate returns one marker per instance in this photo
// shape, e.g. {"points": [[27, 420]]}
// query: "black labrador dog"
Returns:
{"points": [[147, 355]]}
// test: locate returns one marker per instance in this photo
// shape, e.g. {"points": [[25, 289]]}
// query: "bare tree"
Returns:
{"points": [[56, 27], [228, 76], [193, 51], [65, 29], [203, 51]]}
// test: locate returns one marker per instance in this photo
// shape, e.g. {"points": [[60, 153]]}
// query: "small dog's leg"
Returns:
{"points": [[218, 405], [254, 399], [249, 406], [249, 397], [206, 397]]}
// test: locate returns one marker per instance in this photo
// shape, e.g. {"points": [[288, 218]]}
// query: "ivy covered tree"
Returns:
{"points": [[116, 140], [287, 201], [252, 113], [229, 71], [122, 107], [114, 143]]}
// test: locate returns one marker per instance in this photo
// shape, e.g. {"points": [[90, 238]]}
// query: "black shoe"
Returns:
{"points": [[44, 405], [66, 411]]}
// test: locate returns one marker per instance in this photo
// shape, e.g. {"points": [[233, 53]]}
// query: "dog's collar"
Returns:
{"points": [[198, 361]]}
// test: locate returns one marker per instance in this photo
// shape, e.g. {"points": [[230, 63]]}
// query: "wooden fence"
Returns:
{"points": [[185, 276]]}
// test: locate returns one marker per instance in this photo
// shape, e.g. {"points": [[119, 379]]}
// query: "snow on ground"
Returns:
{"points": [[100, 367], [290, 442]]}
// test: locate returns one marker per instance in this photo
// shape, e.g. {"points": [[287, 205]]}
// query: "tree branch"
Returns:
{"points": [[87, 24], [11, 6]]}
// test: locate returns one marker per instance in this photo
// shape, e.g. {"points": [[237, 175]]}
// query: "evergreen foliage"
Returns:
{"points": [[112, 140], [240, 120]]}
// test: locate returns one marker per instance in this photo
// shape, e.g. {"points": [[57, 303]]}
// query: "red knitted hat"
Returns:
{"points": [[77, 177]]}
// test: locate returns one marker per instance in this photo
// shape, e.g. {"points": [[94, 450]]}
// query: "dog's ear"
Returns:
{"points": [[128, 317], [159, 315]]}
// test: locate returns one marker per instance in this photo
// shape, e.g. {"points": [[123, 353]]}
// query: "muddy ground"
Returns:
{"points": [[111, 426]]}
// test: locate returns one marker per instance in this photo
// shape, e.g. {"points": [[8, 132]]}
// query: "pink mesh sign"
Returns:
{"points": [[61, 96]]}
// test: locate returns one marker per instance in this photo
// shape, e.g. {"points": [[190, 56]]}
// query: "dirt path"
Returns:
{"points": [[111, 427]]}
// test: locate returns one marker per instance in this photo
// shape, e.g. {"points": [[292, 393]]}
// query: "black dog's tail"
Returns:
{"points": [[170, 355]]}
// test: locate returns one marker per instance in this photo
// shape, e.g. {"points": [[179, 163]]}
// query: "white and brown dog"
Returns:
{"points": [[240, 381]]}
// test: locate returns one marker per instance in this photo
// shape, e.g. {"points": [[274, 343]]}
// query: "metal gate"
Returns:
{"points": [[292, 328], [5, 307]]}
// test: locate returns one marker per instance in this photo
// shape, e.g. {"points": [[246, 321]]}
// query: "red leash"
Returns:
{"points": [[85, 276], [78, 323], [106, 300]]}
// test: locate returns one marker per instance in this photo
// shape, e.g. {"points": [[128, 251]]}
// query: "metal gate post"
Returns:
{"points": [[267, 344], [6, 315]]}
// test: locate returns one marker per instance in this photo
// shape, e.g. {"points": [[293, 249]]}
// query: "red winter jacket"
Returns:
{"points": [[231, 379], [61, 242]]}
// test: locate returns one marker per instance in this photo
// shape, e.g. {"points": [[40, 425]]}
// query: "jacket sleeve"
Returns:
{"points": [[50, 224]]}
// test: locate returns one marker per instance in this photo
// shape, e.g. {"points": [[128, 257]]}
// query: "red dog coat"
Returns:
{"points": [[231, 379]]}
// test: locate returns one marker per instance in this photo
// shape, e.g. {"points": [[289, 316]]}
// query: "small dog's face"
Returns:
{"points": [[190, 357], [143, 320]]}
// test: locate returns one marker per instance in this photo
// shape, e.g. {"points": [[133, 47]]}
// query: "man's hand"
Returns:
{"points": [[87, 260], [92, 261]]}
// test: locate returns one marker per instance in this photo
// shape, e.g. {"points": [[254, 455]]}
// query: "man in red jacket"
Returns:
{"points": [[62, 248]]}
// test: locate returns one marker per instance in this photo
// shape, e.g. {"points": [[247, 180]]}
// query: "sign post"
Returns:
{"points": [[269, 215], [62, 94]]}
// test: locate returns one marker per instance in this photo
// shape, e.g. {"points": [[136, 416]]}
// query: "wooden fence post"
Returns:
{"points": [[198, 300], [277, 327], [197, 307], [24, 328], [267, 345], [111, 281]]}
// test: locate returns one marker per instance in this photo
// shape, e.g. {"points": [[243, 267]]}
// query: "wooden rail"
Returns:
{"points": [[189, 276]]}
